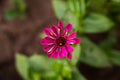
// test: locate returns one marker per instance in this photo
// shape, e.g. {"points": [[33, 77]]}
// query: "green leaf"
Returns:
{"points": [[59, 77], [40, 63], [49, 75], [116, 1], [10, 14], [22, 66], [57, 65], [93, 55], [71, 6], [77, 75], [19, 5], [60, 8], [96, 23], [66, 70], [114, 56], [81, 7], [110, 42], [76, 54], [33, 75], [42, 35], [71, 18]]}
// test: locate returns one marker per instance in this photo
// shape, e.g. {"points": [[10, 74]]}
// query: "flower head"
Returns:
{"points": [[57, 42]]}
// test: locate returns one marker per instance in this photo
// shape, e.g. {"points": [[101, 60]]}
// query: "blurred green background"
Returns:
{"points": [[97, 23]]}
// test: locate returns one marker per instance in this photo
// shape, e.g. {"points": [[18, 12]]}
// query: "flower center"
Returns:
{"points": [[61, 41]]}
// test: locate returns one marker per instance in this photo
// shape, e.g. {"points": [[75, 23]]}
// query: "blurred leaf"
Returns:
{"points": [[33, 75], [59, 77], [10, 14], [18, 11], [77, 6], [22, 66], [66, 70], [114, 56], [20, 5], [93, 55], [71, 6], [42, 35], [116, 1], [57, 66], [110, 42], [77, 75], [76, 54], [40, 63], [60, 8], [96, 23], [49, 75], [81, 7], [71, 18], [99, 6]]}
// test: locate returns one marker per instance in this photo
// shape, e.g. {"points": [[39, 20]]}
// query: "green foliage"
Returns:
{"points": [[22, 65], [92, 16], [59, 8], [39, 67], [99, 56], [69, 11], [96, 23], [114, 56], [33, 75], [116, 1], [77, 75], [109, 42], [72, 11], [71, 18], [76, 54], [81, 7], [93, 55], [39, 63], [10, 14], [18, 11]]}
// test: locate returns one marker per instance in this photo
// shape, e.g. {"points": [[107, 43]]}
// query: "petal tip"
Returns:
{"points": [[69, 56], [61, 23], [69, 27]]}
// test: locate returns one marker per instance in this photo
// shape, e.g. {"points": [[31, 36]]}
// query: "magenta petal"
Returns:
{"points": [[46, 41], [55, 30], [69, 48], [57, 52], [63, 52], [50, 55], [72, 35], [51, 52], [69, 56], [77, 40], [46, 48], [47, 31], [74, 41], [56, 55], [60, 25], [68, 28]]}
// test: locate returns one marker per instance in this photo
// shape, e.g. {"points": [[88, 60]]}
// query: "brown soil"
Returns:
{"points": [[23, 36]]}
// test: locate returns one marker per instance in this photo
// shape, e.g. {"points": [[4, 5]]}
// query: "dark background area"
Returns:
{"points": [[23, 36]]}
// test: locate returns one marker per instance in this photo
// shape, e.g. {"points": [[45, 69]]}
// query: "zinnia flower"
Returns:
{"points": [[57, 42]]}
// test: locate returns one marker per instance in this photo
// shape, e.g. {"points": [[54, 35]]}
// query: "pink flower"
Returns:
{"points": [[57, 42]]}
